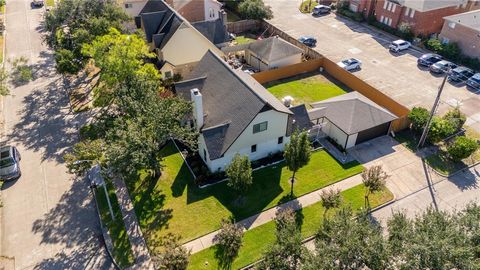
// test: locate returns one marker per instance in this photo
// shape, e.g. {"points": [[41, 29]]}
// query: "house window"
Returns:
{"points": [[253, 148], [280, 140], [382, 18], [168, 74], [260, 127], [385, 4], [389, 22], [128, 5], [393, 7], [412, 13], [407, 10], [451, 25], [212, 13]]}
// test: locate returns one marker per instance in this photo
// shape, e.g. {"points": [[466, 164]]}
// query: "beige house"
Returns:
{"points": [[464, 29], [178, 45]]}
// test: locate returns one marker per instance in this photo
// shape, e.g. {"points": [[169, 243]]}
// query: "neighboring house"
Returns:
{"points": [[215, 31], [464, 29], [234, 113], [192, 10], [178, 45], [423, 16], [269, 53], [351, 118]]}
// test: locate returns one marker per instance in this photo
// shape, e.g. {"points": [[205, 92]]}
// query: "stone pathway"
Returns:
{"points": [[135, 236], [268, 215]]}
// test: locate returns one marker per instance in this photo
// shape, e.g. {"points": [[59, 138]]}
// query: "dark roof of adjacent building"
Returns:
{"points": [[215, 31], [301, 120], [231, 100], [269, 49], [351, 112]]}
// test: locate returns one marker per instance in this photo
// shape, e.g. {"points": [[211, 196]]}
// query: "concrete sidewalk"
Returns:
{"points": [[135, 236], [268, 215]]}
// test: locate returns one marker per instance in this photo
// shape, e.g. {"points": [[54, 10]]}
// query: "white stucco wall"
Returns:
{"points": [[266, 141], [187, 46], [294, 59], [215, 6], [352, 139], [134, 10], [335, 133]]}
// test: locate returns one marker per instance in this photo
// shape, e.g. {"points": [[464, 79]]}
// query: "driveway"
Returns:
{"points": [[414, 184], [48, 217], [396, 75]]}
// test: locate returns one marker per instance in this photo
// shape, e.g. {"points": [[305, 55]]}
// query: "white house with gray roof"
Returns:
{"points": [[233, 113], [351, 118]]}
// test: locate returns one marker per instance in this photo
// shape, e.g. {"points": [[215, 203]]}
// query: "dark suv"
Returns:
{"points": [[309, 41], [429, 59], [460, 74], [474, 82], [9, 163]]}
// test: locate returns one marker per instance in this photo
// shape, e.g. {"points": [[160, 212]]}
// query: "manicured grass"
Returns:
{"points": [[50, 3], [257, 240], [307, 6], [243, 40], [305, 89], [408, 139], [174, 204], [122, 251]]}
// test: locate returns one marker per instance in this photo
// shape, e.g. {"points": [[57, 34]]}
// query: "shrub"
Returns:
{"points": [[419, 117], [255, 10], [452, 51], [456, 118], [405, 31], [356, 16], [462, 148], [439, 129], [434, 45]]}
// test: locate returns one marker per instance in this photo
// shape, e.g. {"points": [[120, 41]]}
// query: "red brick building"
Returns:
{"points": [[424, 16], [464, 29]]}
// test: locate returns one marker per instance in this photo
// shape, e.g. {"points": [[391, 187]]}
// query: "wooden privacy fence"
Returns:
{"points": [[243, 26], [288, 71]]}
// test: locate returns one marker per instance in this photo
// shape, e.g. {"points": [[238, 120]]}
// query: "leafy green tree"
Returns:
{"points": [[452, 51], [419, 117], [91, 150], [435, 45], [456, 118], [297, 154], [73, 23], [4, 90], [347, 241], [171, 255], [228, 242], [374, 179], [462, 147], [440, 129], [239, 173], [288, 252], [330, 199], [255, 10]]}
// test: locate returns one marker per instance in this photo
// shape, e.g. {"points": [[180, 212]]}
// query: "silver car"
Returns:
{"points": [[9, 163]]}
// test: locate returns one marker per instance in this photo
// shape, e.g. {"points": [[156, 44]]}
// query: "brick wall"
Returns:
{"points": [[468, 39]]}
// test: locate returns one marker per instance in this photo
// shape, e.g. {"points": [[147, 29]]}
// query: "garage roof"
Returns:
{"points": [[351, 112], [269, 49]]}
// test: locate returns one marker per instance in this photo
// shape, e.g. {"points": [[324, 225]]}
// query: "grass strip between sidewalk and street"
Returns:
{"points": [[122, 251], [257, 240]]}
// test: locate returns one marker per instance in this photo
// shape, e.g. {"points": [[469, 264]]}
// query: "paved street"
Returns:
{"points": [[397, 75], [48, 217]]}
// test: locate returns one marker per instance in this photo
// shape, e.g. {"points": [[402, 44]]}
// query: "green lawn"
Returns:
{"points": [[311, 216], [305, 89], [122, 250], [408, 139], [175, 204], [243, 40], [307, 6]]}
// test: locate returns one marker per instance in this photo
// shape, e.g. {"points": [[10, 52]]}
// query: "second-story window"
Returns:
{"points": [[260, 127]]}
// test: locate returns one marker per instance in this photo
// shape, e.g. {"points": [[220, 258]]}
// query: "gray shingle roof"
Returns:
{"points": [[301, 118], [215, 30], [269, 49], [351, 112], [231, 100]]}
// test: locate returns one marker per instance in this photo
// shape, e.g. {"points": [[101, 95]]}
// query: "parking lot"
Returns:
{"points": [[397, 75]]}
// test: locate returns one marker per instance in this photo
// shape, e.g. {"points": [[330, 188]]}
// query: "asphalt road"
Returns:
{"points": [[48, 216], [396, 75]]}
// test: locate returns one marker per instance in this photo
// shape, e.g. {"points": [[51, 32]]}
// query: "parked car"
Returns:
{"points": [[460, 74], [399, 45], [308, 40], [443, 66], [321, 9], [38, 3], [350, 64], [429, 59], [9, 163], [474, 81]]}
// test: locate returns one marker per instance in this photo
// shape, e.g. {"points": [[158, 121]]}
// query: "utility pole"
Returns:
{"points": [[432, 112]]}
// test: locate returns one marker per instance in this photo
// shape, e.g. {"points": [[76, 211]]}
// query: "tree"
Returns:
{"points": [[288, 252], [374, 179], [4, 90], [419, 117], [73, 23], [435, 45], [91, 150], [330, 199], [171, 254], [239, 173], [228, 242], [440, 129], [462, 147], [255, 10], [456, 118], [297, 153], [452, 51]]}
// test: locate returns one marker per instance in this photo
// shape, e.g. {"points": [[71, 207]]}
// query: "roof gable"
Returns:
{"points": [[273, 48], [215, 31]]}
